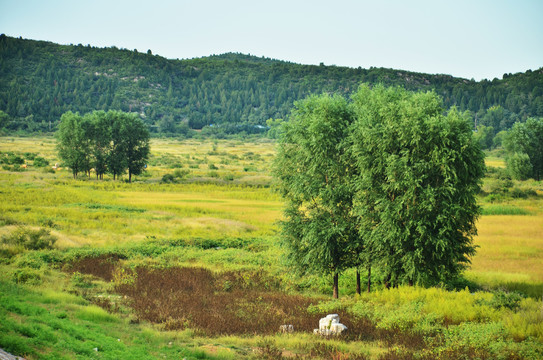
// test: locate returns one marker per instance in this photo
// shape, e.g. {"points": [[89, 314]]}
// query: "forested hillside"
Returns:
{"points": [[228, 93]]}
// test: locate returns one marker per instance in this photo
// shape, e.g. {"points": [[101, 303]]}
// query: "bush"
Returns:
{"points": [[181, 173], [15, 160], [26, 276], [30, 156], [519, 166], [213, 167], [506, 300], [168, 179], [40, 162], [30, 239]]}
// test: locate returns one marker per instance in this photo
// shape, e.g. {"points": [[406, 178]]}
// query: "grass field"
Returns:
{"points": [[221, 214]]}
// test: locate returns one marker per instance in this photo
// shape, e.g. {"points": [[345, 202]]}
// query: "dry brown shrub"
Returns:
{"points": [[226, 303], [101, 266], [199, 299]]}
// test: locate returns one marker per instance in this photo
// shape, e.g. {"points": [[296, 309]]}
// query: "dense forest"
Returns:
{"points": [[221, 94]]}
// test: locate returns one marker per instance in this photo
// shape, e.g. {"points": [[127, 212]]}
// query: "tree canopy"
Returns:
{"points": [[315, 173], [419, 173], [525, 141], [387, 179], [112, 142], [221, 94]]}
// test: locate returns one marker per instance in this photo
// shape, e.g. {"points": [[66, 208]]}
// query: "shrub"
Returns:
{"points": [[503, 299], [213, 167], [181, 173], [80, 280], [26, 276], [519, 166], [168, 179], [30, 239], [30, 156], [15, 160], [40, 162]]}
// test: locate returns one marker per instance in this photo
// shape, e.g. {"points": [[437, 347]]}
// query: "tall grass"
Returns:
{"points": [[504, 210]]}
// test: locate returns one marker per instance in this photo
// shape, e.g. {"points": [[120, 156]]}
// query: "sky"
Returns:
{"points": [[465, 38]]}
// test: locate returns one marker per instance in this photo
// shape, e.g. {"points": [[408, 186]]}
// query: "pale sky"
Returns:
{"points": [[464, 38]]}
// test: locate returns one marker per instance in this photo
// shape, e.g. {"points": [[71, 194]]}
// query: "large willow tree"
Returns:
{"points": [[315, 173], [420, 171]]}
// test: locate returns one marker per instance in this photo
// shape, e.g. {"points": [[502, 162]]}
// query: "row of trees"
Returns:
{"points": [[385, 180], [109, 142]]}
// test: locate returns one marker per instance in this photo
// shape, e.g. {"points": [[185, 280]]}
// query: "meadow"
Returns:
{"points": [[185, 263]]}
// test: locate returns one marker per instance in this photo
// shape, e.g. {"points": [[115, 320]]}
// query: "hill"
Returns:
{"points": [[228, 93]]}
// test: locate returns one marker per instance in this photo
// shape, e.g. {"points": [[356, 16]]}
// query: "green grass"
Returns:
{"points": [[504, 210], [229, 223], [33, 326]]}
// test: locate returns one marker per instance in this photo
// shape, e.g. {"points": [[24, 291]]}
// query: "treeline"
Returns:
{"points": [[223, 94], [112, 142]]}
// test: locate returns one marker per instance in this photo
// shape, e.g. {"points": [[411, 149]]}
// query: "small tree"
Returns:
{"points": [[519, 166], [527, 138], [72, 143], [4, 119], [116, 159], [419, 174], [484, 135], [314, 173], [136, 144], [100, 147]]}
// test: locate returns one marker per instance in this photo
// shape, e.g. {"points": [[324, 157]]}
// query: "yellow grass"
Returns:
{"points": [[511, 247], [510, 253], [493, 161]]}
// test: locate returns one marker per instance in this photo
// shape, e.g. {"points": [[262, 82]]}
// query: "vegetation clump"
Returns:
{"points": [[30, 239]]}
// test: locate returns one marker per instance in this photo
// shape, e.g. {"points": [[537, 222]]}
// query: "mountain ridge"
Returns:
{"points": [[40, 80]]}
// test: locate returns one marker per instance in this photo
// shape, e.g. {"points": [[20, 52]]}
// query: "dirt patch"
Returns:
{"points": [[228, 303], [215, 304], [101, 266]]}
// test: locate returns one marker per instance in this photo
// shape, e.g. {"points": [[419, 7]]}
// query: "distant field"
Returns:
{"points": [[217, 203], [134, 257], [495, 161], [510, 253]]}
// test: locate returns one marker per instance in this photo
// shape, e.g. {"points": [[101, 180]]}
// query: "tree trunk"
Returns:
{"points": [[387, 282], [129, 177], [336, 285], [358, 281], [410, 282], [369, 278]]}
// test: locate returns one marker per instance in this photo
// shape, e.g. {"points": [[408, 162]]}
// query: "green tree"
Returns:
{"points": [[116, 159], [100, 135], [72, 143], [275, 126], [498, 139], [527, 138], [314, 173], [419, 174], [484, 135], [167, 125], [4, 119], [519, 166], [136, 147]]}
